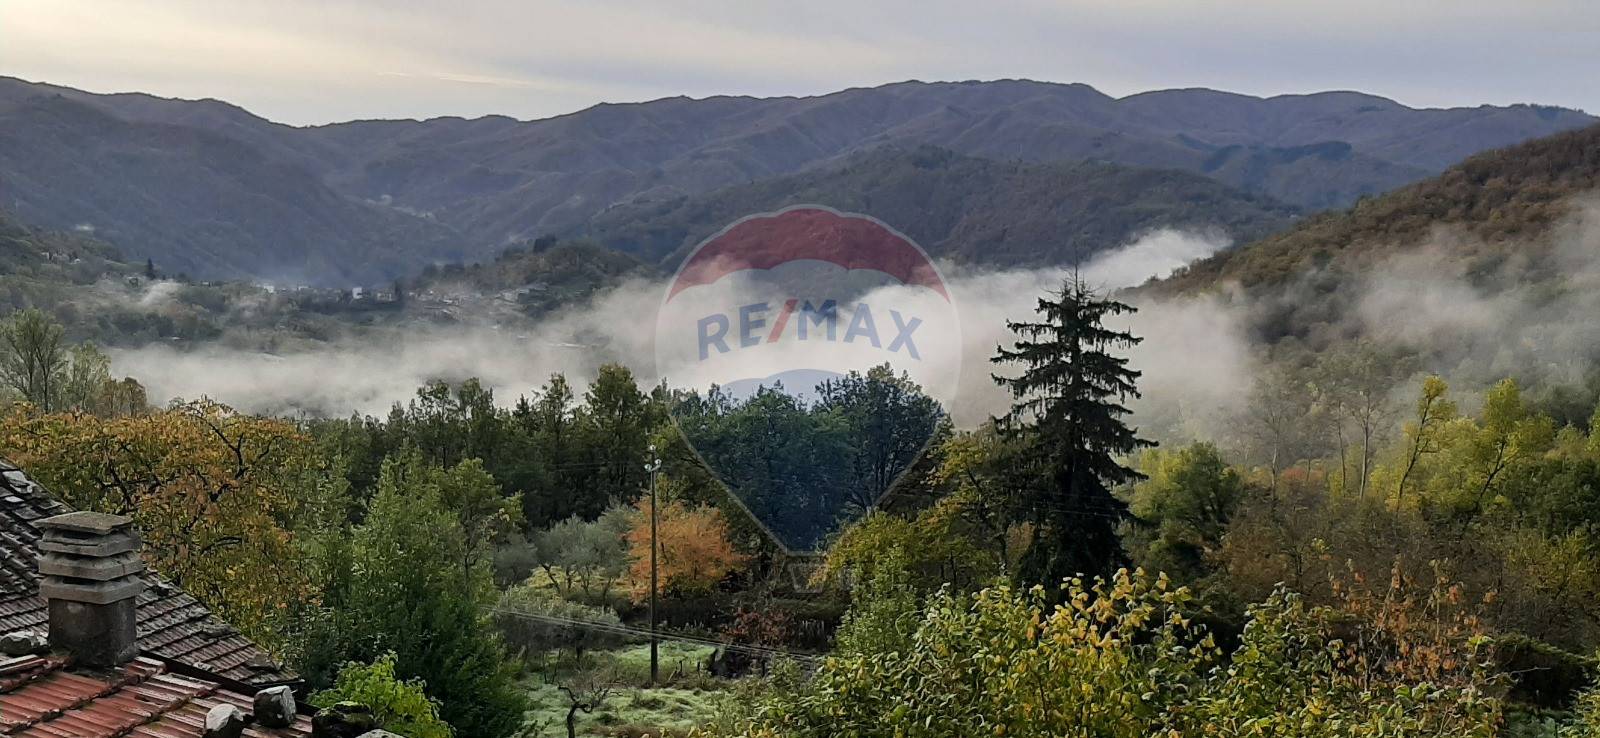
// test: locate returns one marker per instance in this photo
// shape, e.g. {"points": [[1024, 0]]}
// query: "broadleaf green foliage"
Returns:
{"points": [[884, 617], [559, 456], [408, 583], [1182, 509], [400, 705], [1119, 657], [39, 366], [802, 467], [582, 559]]}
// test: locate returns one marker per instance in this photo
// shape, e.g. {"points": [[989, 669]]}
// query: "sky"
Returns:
{"points": [[317, 61]]}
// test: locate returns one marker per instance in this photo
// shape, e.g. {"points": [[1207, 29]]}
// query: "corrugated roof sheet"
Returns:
{"points": [[172, 624], [40, 697]]}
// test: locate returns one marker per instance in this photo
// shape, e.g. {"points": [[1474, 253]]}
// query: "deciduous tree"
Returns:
{"points": [[217, 495], [694, 555]]}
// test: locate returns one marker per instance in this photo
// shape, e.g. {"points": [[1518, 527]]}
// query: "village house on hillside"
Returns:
{"points": [[92, 645]]}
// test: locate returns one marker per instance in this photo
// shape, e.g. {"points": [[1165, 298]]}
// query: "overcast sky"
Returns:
{"points": [[315, 61]]}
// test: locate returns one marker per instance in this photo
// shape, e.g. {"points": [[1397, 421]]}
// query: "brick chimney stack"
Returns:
{"points": [[91, 578]]}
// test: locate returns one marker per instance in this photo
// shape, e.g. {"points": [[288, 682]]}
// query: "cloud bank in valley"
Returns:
{"points": [[1450, 302], [1190, 346]]}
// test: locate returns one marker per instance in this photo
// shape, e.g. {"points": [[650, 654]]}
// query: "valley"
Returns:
{"points": [[1269, 416]]}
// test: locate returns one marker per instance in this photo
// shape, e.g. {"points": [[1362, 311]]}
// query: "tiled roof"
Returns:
{"points": [[172, 625], [41, 697]]}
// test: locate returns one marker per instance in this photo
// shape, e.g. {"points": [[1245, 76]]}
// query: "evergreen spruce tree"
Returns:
{"points": [[1067, 420]]}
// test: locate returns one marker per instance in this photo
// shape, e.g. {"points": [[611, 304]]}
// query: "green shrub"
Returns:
{"points": [[534, 620], [1119, 658], [401, 706]]}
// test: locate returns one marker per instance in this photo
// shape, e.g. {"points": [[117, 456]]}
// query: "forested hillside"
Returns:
{"points": [[197, 201], [963, 208], [34, 254], [208, 189], [1487, 271], [1505, 200]]}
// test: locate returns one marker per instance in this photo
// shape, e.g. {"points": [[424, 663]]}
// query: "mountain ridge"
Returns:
{"points": [[411, 193], [1503, 198], [798, 97], [967, 209]]}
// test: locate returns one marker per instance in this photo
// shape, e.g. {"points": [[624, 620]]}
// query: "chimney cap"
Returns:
{"points": [[86, 522]]}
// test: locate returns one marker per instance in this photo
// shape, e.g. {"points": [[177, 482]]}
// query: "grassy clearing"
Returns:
{"points": [[631, 710], [633, 662]]}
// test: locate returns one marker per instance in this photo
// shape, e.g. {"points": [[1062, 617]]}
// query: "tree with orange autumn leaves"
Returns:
{"points": [[695, 551], [218, 496]]}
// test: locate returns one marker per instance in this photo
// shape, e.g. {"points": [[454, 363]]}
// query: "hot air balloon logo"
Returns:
{"points": [[794, 337]]}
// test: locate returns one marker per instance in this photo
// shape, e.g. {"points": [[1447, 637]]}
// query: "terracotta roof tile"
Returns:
{"points": [[172, 624], [42, 697]]}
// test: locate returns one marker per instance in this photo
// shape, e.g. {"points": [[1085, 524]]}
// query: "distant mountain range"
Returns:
{"points": [[960, 207], [1499, 206], [1489, 270], [207, 188]]}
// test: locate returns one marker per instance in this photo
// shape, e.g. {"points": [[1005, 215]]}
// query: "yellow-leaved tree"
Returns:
{"points": [[217, 495], [695, 551]]}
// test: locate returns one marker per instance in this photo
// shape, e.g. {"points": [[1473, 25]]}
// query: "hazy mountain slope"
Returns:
{"points": [[209, 188], [215, 116], [1428, 139], [964, 208], [1313, 150], [53, 257], [1488, 271], [536, 277], [1503, 200], [195, 201]]}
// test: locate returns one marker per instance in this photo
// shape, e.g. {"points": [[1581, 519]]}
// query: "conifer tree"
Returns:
{"points": [[1067, 420]]}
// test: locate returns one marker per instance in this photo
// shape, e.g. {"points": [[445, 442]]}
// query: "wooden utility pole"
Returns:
{"points": [[653, 465]]}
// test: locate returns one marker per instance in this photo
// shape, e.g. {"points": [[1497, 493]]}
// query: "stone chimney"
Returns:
{"points": [[90, 565]]}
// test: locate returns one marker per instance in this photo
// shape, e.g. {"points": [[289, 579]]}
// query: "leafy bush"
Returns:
{"points": [[400, 706], [583, 559], [886, 610], [534, 620], [1120, 657], [1586, 714]]}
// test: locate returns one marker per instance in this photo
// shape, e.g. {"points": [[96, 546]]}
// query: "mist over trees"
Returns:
{"points": [[39, 367], [1411, 565]]}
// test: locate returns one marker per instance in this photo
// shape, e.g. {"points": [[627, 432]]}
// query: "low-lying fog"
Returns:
{"points": [[1196, 357], [1190, 346]]}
